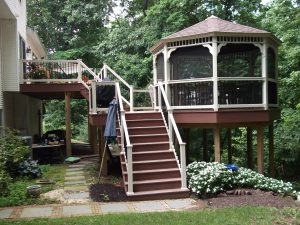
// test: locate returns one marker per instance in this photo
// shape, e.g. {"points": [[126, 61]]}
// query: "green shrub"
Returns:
{"points": [[212, 178], [12, 150], [5, 180]]}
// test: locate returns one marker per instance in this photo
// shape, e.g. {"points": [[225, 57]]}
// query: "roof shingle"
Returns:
{"points": [[215, 24]]}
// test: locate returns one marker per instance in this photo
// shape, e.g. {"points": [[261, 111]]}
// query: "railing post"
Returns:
{"points": [[94, 100], [104, 71], [79, 70], [170, 113], [159, 95], [129, 172], [131, 98], [183, 165], [90, 100], [122, 131]]}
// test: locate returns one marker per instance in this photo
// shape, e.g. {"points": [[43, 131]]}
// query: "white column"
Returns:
{"points": [[264, 74], [215, 72], [166, 71], [154, 70]]}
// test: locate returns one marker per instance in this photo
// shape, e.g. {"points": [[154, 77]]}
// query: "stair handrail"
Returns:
{"points": [[173, 126], [124, 131], [88, 69], [130, 87]]}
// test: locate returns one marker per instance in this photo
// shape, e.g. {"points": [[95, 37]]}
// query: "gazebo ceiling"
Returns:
{"points": [[213, 26]]}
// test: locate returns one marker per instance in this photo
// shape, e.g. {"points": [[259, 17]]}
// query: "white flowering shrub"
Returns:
{"points": [[212, 178]]}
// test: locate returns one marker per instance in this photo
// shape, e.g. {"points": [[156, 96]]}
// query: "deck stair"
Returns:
{"points": [[156, 173]]}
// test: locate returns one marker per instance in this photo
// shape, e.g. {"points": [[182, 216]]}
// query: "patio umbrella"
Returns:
{"points": [[110, 132]]}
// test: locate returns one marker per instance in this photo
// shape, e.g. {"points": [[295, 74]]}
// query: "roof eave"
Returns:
{"points": [[158, 46]]}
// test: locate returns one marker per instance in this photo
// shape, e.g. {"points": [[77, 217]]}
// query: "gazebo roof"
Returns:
{"points": [[212, 26]]}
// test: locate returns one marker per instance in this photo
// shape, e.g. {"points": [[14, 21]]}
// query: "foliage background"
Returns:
{"points": [[90, 30]]}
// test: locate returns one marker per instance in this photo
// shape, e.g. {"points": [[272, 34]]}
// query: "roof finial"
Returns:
{"points": [[212, 17]]}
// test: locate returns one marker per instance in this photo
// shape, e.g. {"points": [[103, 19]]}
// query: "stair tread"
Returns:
{"points": [[146, 119], [147, 135], [164, 191], [154, 170], [151, 143], [151, 127], [153, 161], [155, 181], [151, 152], [142, 112]]}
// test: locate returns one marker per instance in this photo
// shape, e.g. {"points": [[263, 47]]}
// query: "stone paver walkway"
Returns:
{"points": [[75, 186], [96, 208]]}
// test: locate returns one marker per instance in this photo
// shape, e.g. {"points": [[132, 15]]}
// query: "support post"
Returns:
{"points": [[260, 149], [183, 165], [94, 96], [171, 133], [131, 101], [215, 72], [204, 144], [68, 123], [229, 146], [167, 71], [271, 151], [130, 169], [249, 148], [186, 132], [265, 74], [101, 145], [93, 138], [217, 144]]}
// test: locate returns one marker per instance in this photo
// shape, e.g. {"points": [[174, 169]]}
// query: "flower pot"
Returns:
{"points": [[34, 191]]}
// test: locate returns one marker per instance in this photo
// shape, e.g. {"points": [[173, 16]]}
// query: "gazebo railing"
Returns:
{"points": [[233, 92]]}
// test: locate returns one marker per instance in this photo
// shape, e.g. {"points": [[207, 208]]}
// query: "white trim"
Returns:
{"points": [[215, 72], [192, 107], [190, 80], [241, 79], [241, 106], [51, 80]]}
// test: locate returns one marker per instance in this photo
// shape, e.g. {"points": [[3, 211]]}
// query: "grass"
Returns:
{"points": [[226, 216], [17, 190]]}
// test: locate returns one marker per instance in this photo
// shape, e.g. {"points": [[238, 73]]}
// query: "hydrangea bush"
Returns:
{"points": [[211, 178]]}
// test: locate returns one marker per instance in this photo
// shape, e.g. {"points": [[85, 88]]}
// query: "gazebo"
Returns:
{"points": [[219, 74]]}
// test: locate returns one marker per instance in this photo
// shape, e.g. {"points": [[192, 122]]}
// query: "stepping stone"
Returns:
{"points": [[79, 195], [115, 207], [151, 206], [75, 178], [77, 210], [75, 182], [73, 169], [76, 188], [36, 212], [74, 173], [76, 166], [5, 213], [181, 203]]}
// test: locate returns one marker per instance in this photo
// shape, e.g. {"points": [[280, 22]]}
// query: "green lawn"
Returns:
{"points": [[226, 216], [17, 189]]}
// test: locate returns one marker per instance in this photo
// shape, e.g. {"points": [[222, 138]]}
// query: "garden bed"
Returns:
{"points": [[257, 198]]}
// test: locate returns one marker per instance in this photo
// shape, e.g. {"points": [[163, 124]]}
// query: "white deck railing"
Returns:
{"points": [[197, 93], [57, 71], [172, 127], [125, 137]]}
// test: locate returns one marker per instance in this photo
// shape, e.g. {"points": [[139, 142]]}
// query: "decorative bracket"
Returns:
{"points": [[170, 52]]}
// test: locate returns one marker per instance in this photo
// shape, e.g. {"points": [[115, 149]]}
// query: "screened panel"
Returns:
{"points": [[239, 60], [272, 92], [190, 63], [271, 63], [200, 93], [160, 67], [240, 92]]}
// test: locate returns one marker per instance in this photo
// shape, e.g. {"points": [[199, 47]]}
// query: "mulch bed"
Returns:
{"points": [[250, 197], [107, 192]]}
